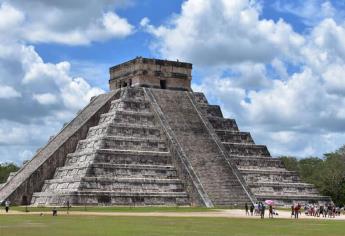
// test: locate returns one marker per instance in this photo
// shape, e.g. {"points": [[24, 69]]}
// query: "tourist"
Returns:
{"points": [[297, 210], [321, 210], [256, 207], [329, 211], [7, 205], [262, 211], [246, 208], [333, 211], [270, 211], [275, 212], [337, 211], [307, 210], [317, 211], [251, 209], [312, 210], [54, 211], [325, 211], [68, 206]]}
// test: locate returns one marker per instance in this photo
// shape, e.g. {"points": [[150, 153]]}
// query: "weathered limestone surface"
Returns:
{"points": [[124, 160], [139, 145], [266, 176], [206, 158], [30, 178]]}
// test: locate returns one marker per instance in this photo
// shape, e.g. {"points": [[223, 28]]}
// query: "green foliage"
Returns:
{"points": [[5, 170], [341, 150], [309, 168], [327, 174], [333, 177], [290, 163]]}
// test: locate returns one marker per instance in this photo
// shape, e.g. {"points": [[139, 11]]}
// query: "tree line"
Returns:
{"points": [[326, 173], [6, 169]]}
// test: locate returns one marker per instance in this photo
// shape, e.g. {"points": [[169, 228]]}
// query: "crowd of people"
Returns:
{"points": [[259, 209], [328, 210]]}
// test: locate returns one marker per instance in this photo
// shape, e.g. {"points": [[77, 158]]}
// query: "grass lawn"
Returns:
{"points": [[116, 209], [30, 225]]}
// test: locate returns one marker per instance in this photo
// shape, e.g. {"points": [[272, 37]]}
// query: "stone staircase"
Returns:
{"points": [[214, 172], [266, 176], [124, 160]]}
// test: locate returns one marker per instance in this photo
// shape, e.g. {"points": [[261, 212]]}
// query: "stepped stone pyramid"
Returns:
{"points": [[153, 141]]}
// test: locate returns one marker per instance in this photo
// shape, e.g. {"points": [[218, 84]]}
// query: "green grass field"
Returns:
{"points": [[116, 209], [30, 225]]}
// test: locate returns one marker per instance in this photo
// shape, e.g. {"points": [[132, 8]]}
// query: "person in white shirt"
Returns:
{"points": [[7, 205]]}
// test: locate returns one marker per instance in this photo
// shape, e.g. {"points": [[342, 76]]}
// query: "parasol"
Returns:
{"points": [[269, 202]]}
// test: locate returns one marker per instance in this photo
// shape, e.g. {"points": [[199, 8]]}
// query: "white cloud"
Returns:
{"points": [[311, 12], [286, 88], [19, 142], [47, 83], [77, 91], [326, 41], [66, 22], [10, 17], [7, 92], [45, 98], [292, 117], [116, 26], [223, 32], [36, 97]]}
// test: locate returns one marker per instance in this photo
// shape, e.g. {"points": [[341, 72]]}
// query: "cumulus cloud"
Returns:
{"points": [[311, 12], [7, 92], [38, 83], [19, 142], [223, 32], [37, 97], [45, 98], [66, 22], [287, 88]]}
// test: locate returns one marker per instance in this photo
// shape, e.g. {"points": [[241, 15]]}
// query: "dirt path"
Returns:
{"points": [[216, 213]]}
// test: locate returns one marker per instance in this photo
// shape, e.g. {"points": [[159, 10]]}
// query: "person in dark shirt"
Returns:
{"points": [[246, 208], [270, 211], [251, 209], [263, 208]]}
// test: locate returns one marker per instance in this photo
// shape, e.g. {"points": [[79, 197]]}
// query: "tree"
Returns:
{"points": [[332, 177], [341, 150], [290, 163], [6, 169], [308, 169], [327, 173]]}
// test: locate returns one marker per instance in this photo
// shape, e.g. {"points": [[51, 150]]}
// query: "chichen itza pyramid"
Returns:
{"points": [[153, 141]]}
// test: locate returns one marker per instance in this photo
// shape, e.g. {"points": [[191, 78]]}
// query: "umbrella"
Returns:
{"points": [[269, 202]]}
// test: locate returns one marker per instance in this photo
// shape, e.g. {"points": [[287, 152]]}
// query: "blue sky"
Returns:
{"points": [[275, 66]]}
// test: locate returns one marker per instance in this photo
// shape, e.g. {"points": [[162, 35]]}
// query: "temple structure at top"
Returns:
{"points": [[151, 73]]}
